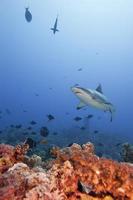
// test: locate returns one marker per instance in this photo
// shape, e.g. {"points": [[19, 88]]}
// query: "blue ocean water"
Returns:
{"points": [[38, 68]]}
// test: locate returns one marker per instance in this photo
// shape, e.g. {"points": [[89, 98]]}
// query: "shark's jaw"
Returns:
{"points": [[78, 91]]}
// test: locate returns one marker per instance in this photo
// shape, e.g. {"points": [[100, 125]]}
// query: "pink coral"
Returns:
{"points": [[10, 155], [6, 157]]}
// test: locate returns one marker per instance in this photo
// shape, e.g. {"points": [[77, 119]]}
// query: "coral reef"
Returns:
{"points": [[102, 176], [75, 173], [33, 161], [10, 155], [127, 152]]}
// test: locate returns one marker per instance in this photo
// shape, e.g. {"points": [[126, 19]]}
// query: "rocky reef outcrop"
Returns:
{"points": [[74, 173]]}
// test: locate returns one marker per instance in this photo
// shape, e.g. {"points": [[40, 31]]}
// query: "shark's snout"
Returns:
{"points": [[75, 90]]}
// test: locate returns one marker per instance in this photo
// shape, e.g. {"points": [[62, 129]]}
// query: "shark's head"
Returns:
{"points": [[83, 94], [78, 91]]}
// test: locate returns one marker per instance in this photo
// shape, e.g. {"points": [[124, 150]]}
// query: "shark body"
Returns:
{"points": [[54, 29], [95, 98]]}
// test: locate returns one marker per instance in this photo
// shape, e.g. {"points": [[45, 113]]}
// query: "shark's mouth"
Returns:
{"points": [[77, 92]]}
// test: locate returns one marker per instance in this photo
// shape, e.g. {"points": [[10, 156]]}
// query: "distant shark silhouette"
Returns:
{"points": [[54, 29], [94, 98]]}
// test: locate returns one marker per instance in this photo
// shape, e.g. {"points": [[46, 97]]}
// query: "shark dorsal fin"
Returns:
{"points": [[99, 89]]}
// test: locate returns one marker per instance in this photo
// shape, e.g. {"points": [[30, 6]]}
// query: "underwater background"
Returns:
{"points": [[38, 68]]}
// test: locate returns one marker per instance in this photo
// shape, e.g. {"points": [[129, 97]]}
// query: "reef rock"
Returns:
{"points": [[75, 174], [10, 155], [102, 176], [127, 152]]}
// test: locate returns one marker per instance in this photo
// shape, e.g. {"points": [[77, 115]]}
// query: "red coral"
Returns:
{"points": [[20, 151], [102, 175], [76, 174], [10, 155]]}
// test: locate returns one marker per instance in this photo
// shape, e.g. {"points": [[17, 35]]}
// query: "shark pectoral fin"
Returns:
{"points": [[81, 105]]}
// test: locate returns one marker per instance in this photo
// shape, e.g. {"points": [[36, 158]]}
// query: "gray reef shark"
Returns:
{"points": [[94, 98], [54, 29]]}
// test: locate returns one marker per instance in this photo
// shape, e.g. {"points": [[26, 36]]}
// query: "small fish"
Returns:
{"points": [[82, 128], [0, 132], [70, 144], [44, 131], [24, 111], [50, 117], [43, 141], [96, 131], [12, 126], [77, 118], [29, 128], [99, 154], [84, 188], [50, 88], [54, 29], [28, 15], [55, 133], [18, 126], [80, 69], [89, 116], [33, 122], [30, 142]]}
